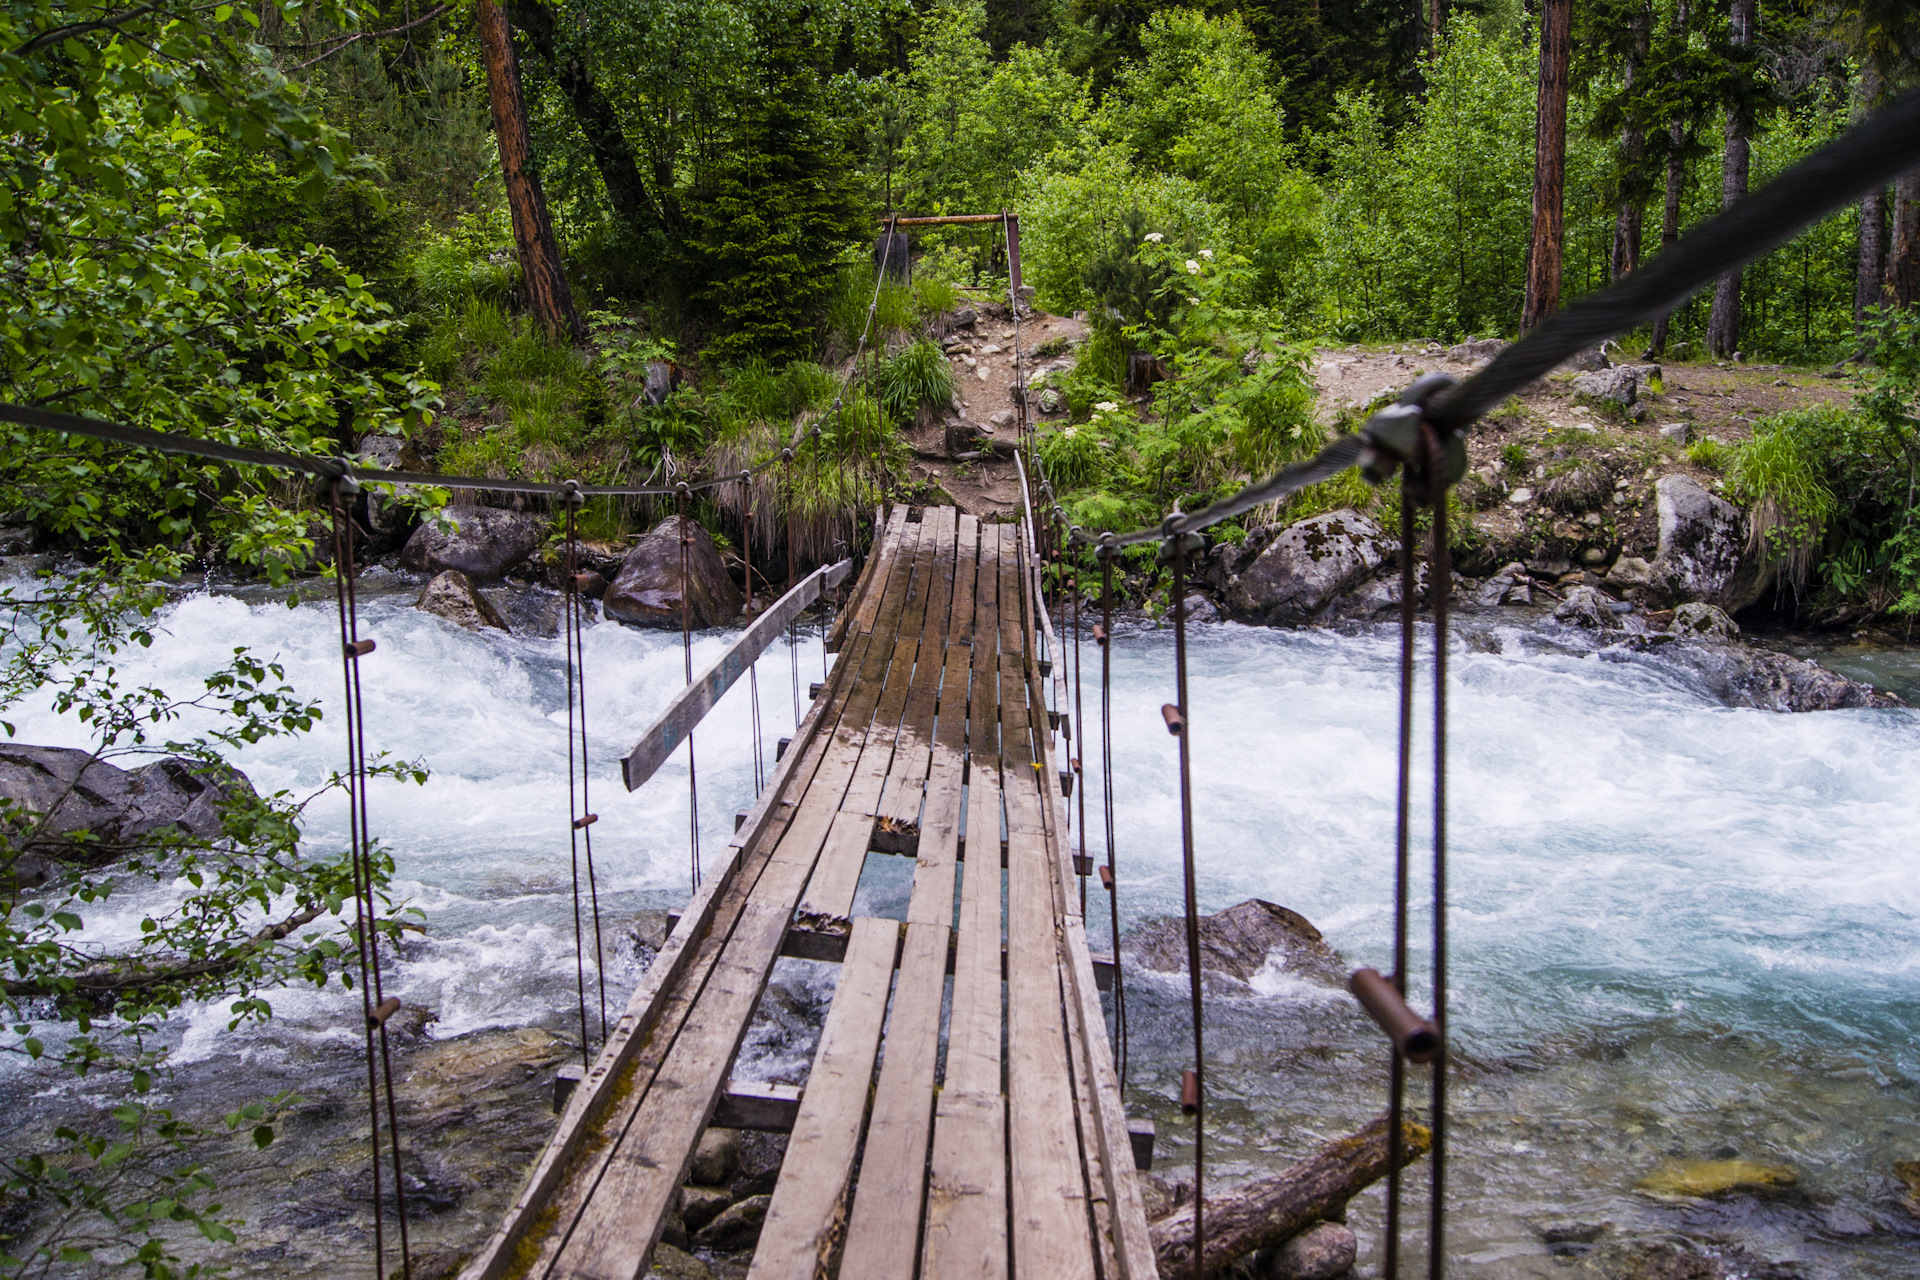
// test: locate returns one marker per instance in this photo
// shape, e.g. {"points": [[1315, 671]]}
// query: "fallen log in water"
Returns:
{"points": [[1271, 1210]]}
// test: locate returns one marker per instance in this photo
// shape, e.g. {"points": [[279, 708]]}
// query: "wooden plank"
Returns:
{"points": [[804, 1217], [973, 1038], [938, 850], [902, 792], [858, 615], [1050, 1226], [966, 1236], [691, 705], [883, 1234]]}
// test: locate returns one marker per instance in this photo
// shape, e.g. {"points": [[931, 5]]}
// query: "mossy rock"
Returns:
{"points": [[1698, 1179]]}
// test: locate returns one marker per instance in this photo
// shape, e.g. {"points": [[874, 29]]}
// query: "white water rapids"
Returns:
{"points": [[1678, 930]]}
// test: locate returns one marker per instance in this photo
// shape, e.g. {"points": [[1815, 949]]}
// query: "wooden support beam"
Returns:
{"points": [[698, 698]]}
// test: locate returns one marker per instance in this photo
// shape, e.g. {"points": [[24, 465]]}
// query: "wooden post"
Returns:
{"points": [[547, 291], [1549, 164]]}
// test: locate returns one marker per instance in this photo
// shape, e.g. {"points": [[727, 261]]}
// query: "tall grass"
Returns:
{"points": [[915, 381], [1780, 473]]}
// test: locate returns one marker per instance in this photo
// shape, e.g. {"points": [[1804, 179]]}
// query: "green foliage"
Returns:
{"points": [[914, 380], [1780, 475]]}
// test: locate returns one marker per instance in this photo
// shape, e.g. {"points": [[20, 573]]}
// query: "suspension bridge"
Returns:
{"points": [[963, 1115]]}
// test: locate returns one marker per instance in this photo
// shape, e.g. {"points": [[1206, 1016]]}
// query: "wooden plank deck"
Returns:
{"points": [[952, 1126]]}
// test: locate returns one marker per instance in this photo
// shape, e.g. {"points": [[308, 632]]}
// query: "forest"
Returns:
{"points": [[635, 240]]}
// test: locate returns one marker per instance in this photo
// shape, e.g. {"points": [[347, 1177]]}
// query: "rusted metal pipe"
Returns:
{"points": [[1413, 1036]]}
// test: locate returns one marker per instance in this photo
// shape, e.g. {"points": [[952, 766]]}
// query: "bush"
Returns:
{"points": [[914, 379]]}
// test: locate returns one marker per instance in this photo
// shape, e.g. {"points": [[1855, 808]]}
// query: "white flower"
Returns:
{"points": [[1193, 268], [1067, 433], [1106, 406], [1192, 301], [1154, 237], [1207, 254]]}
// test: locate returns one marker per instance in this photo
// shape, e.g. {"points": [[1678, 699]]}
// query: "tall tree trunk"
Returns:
{"points": [[1436, 20], [1903, 254], [598, 121], [1670, 218], [1545, 252], [1631, 210], [1870, 278], [547, 292], [1723, 327]]}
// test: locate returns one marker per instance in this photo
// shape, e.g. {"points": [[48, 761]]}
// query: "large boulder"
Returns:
{"points": [[1704, 551], [69, 807], [452, 595], [649, 588], [1307, 567], [486, 543], [1742, 676], [1238, 942]]}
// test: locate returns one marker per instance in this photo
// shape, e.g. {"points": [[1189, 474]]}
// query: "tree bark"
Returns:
{"points": [[1676, 182], [1903, 253], [1436, 21], [1271, 1210], [116, 977], [594, 112], [547, 292], [1870, 278], [1546, 250], [1723, 327], [1630, 212]]}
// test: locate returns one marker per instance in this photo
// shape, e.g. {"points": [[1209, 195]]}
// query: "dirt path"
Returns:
{"points": [[982, 355]]}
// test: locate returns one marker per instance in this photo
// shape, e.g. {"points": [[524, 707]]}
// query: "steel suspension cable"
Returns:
{"points": [[1439, 585], [376, 1008], [686, 649], [753, 668], [580, 815], [1397, 1084], [1193, 1084], [1078, 724], [1103, 636]]}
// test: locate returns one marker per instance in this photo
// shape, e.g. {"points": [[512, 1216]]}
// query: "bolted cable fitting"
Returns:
{"points": [[571, 495]]}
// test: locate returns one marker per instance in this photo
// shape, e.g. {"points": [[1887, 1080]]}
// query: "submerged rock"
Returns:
{"points": [[1704, 621], [452, 595], [1908, 1171], [1321, 1252], [1302, 572], [1745, 677], [487, 543], [1701, 1178], [649, 588], [1201, 609], [1238, 942]]}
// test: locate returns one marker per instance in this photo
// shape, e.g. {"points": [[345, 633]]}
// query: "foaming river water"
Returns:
{"points": [[1678, 931]]}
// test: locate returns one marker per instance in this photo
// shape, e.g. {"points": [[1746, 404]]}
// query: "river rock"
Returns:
{"points": [[1630, 571], [1908, 1171], [1704, 621], [452, 595], [716, 1158], [1238, 942], [487, 543], [1307, 567], [1201, 609], [119, 809], [1608, 386], [1741, 676], [671, 1263], [1702, 1178], [736, 1228], [1587, 607], [701, 1205], [648, 590], [1321, 1252], [761, 1155], [429, 1187], [1703, 548]]}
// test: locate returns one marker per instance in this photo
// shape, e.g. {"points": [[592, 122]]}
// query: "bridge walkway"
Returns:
{"points": [[962, 1116]]}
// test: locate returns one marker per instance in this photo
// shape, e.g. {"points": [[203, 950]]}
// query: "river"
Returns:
{"points": [[1678, 931]]}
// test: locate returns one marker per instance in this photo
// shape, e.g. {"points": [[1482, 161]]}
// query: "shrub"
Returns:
{"points": [[916, 378]]}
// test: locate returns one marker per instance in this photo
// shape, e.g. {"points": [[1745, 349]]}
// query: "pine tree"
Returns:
{"points": [[777, 213]]}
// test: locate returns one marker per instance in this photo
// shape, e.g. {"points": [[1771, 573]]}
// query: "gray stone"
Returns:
{"points": [[452, 595], [1238, 942], [1321, 1252], [1307, 567], [716, 1158], [1608, 386], [1589, 360], [965, 317], [1585, 607], [1496, 589], [1630, 571], [671, 1263], [96, 811], [486, 544], [761, 1155], [1477, 349], [1677, 432], [701, 1205], [1842, 1221], [736, 1228], [1201, 609], [648, 590], [1704, 621], [1570, 1230], [1703, 548], [1001, 420], [1740, 676]]}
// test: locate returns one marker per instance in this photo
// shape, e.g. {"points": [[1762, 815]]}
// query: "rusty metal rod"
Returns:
{"points": [[1412, 1035]]}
